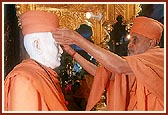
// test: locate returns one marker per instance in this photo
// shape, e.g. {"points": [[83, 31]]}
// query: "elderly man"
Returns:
{"points": [[33, 85], [134, 82]]}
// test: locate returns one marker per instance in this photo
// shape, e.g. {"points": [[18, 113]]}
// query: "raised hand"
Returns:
{"points": [[68, 49], [65, 36]]}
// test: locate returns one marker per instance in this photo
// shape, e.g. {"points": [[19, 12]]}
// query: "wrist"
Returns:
{"points": [[73, 54]]}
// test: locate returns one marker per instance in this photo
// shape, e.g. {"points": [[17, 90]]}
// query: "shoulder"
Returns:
{"points": [[24, 72]]}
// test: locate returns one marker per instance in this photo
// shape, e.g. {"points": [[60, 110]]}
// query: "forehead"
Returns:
{"points": [[46, 36], [138, 36]]}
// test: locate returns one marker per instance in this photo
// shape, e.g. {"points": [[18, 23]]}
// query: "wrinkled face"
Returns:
{"points": [[138, 44], [51, 51]]}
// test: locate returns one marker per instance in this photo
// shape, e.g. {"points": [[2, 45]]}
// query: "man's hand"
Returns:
{"points": [[65, 36], [68, 49]]}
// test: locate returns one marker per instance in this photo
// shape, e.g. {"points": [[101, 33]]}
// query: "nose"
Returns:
{"points": [[130, 45], [60, 49]]}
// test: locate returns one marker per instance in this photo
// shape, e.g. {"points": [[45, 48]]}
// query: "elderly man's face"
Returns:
{"points": [[51, 51], [138, 44]]}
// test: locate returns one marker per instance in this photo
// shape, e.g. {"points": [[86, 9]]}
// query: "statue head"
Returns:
{"points": [[38, 40]]}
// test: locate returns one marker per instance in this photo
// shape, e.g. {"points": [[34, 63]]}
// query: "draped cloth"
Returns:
{"points": [[142, 90], [29, 86], [35, 21]]}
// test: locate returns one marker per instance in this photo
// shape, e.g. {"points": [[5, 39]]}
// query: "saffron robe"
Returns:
{"points": [[28, 87], [143, 90]]}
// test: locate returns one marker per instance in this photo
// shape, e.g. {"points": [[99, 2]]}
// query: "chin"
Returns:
{"points": [[130, 53]]}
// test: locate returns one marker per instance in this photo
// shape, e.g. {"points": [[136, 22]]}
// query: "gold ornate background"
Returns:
{"points": [[72, 15]]}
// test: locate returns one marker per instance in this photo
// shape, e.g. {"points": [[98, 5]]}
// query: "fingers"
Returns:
{"points": [[63, 47], [68, 49], [59, 34], [63, 36], [61, 31], [64, 41]]}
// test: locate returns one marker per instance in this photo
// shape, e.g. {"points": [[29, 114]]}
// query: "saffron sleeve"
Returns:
{"points": [[22, 95]]}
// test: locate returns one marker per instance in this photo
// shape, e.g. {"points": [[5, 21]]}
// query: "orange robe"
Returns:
{"points": [[143, 90], [28, 87]]}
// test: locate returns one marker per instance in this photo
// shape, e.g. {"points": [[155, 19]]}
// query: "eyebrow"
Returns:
{"points": [[134, 37]]}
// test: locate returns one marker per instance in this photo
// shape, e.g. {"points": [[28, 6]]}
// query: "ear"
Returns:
{"points": [[37, 47], [152, 43]]}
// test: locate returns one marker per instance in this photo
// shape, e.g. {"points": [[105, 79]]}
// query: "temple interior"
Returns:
{"points": [[107, 26]]}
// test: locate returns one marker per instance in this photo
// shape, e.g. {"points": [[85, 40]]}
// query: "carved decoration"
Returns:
{"points": [[72, 15]]}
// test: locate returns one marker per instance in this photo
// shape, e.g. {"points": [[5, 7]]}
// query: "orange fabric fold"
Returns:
{"points": [[45, 97], [148, 69], [38, 21], [117, 93], [99, 83], [147, 27], [143, 90]]}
